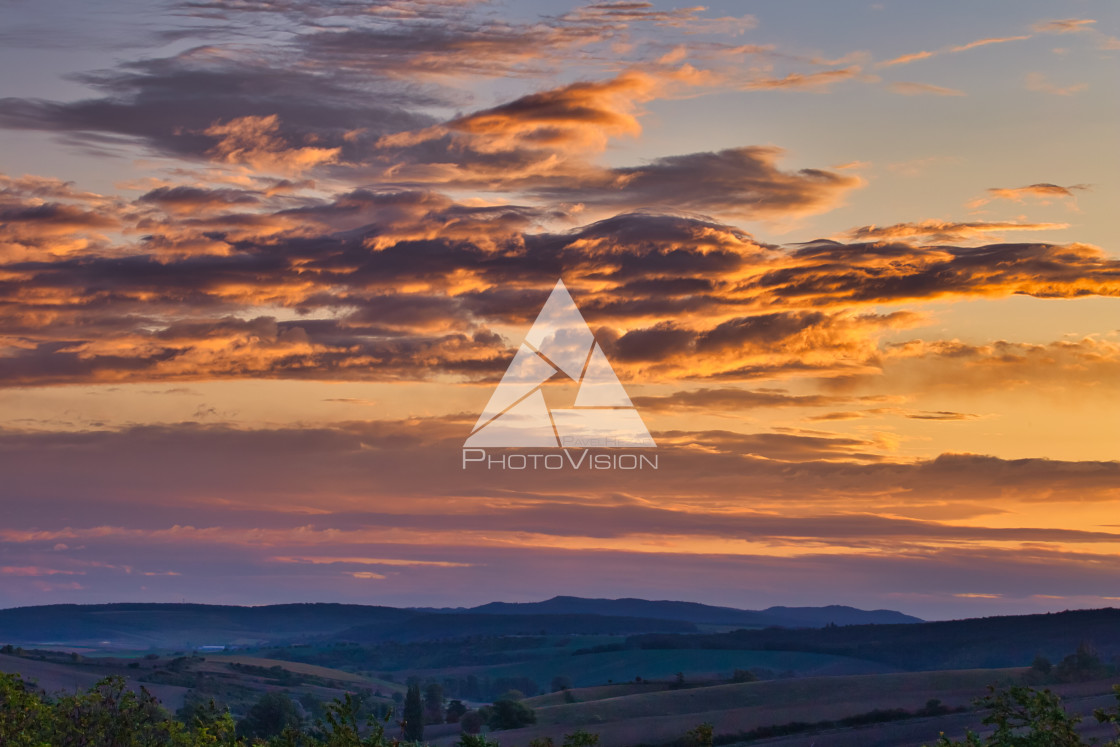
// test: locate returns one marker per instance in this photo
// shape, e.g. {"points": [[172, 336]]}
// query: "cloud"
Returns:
{"points": [[739, 182], [945, 231], [941, 415], [278, 504], [756, 346], [167, 105], [325, 84], [728, 398], [855, 272], [1043, 192], [198, 295], [922, 89], [906, 59], [190, 200], [1064, 25], [816, 81], [260, 475], [986, 42], [255, 141], [1002, 365], [46, 218], [1039, 82]]}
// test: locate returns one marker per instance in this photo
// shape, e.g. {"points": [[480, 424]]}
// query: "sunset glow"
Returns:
{"points": [[263, 262]]}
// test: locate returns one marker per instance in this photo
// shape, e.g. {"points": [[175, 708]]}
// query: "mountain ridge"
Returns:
{"points": [[143, 625]]}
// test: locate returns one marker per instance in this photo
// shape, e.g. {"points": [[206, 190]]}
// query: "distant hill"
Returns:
{"points": [[987, 642], [462, 625], [787, 617], [184, 625], [836, 614], [141, 626]]}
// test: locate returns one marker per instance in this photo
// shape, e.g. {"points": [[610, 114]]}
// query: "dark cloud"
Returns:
{"points": [[937, 231], [199, 500], [726, 398], [839, 272], [743, 182], [283, 469], [665, 293], [169, 104], [197, 198]]}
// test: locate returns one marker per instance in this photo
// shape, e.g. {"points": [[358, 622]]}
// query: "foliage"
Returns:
{"points": [[455, 711], [990, 642], [110, 715], [1084, 665], [581, 738], [701, 736], [475, 740], [433, 703], [471, 722], [341, 728], [508, 714], [270, 717], [413, 725], [1025, 717]]}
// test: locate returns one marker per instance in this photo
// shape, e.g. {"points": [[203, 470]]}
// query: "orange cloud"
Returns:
{"points": [[1039, 82], [256, 141], [819, 80], [1064, 25], [906, 59], [946, 231], [924, 55], [920, 89], [1043, 192]]}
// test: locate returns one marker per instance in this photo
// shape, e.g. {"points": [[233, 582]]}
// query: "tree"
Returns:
{"points": [[1111, 717], [1081, 666], [560, 682], [701, 736], [24, 718], [474, 740], [1025, 717], [269, 717], [471, 722], [509, 714], [433, 703], [455, 711], [413, 725], [110, 714], [1040, 672], [581, 738], [341, 725], [199, 711]]}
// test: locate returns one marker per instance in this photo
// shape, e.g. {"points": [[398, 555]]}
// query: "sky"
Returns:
{"points": [[263, 262]]}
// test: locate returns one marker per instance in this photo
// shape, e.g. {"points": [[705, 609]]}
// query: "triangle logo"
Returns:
{"points": [[560, 344]]}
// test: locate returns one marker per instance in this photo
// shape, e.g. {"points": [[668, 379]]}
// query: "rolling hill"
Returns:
{"points": [[140, 626], [700, 614]]}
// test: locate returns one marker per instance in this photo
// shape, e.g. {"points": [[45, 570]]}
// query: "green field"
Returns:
{"points": [[586, 670], [327, 673], [658, 716]]}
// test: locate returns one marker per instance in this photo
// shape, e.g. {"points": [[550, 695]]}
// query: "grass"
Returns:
{"points": [[586, 670], [811, 692], [313, 670]]}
